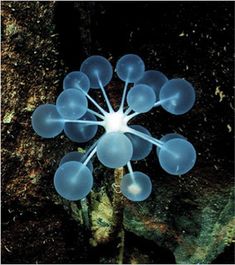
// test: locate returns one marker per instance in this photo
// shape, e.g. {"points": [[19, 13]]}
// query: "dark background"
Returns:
{"points": [[181, 39]]}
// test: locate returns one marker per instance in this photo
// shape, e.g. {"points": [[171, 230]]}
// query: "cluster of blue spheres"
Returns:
{"points": [[121, 142]]}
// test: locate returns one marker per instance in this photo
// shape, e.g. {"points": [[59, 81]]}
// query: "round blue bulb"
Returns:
{"points": [[177, 156], [81, 132], [177, 96], [136, 186], [97, 68], [77, 157], [73, 181], [141, 147], [71, 104], [46, 121], [130, 68], [167, 137], [76, 80], [114, 150], [141, 98], [153, 78]]}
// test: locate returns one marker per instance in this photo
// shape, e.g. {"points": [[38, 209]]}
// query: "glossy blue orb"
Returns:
{"points": [[73, 181], [155, 79], [141, 147], [76, 80], [167, 137], [114, 150], [72, 104], [46, 121], [81, 132], [77, 157], [136, 186], [177, 96], [141, 98], [130, 68], [97, 68], [177, 156]]}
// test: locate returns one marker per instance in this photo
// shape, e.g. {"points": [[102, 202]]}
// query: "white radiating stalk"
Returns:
{"points": [[123, 96], [94, 102], [159, 102], [79, 121], [128, 111], [146, 137], [90, 156], [131, 171], [105, 95], [96, 113], [129, 117]]}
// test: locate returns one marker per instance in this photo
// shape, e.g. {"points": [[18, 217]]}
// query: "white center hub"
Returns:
{"points": [[115, 122]]}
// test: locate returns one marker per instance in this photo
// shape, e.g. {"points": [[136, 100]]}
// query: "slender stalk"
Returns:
{"points": [[159, 102], [131, 171], [146, 137], [88, 151], [105, 95], [94, 102], [129, 117], [124, 95], [85, 215], [96, 113], [128, 110], [81, 121], [90, 156]]}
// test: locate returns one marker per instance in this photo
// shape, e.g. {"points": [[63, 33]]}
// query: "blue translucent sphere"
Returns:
{"points": [[76, 80], [114, 150], [71, 104], [81, 132], [130, 68], [177, 156], [153, 78], [141, 98], [167, 137], [136, 186], [177, 96], [73, 181], [141, 147], [77, 157], [46, 121], [97, 68]]}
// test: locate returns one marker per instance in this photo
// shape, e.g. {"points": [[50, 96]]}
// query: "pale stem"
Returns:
{"points": [[130, 171], [89, 150], [96, 113], [90, 156], [85, 212], [128, 111], [94, 102], [146, 137], [159, 102], [80, 121], [105, 95], [124, 95], [133, 115]]}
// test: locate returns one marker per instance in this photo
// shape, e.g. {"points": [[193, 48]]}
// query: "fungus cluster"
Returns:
{"points": [[121, 142]]}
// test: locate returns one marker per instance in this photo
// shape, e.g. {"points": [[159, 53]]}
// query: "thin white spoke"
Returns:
{"points": [[105, 95], [124, 96], [90, 156], [96, 113], [146, 137]]}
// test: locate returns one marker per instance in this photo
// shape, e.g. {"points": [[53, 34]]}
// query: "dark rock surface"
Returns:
{"points": [[188, 219]]}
